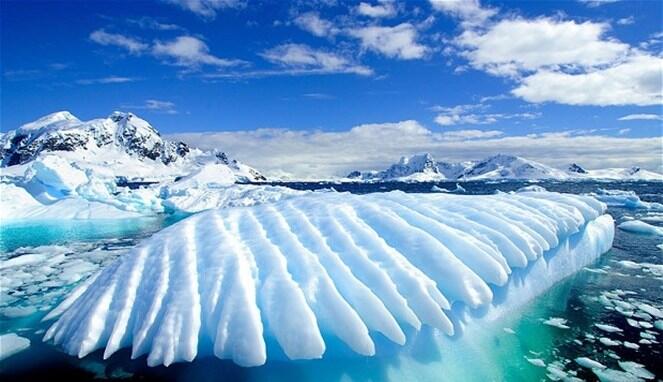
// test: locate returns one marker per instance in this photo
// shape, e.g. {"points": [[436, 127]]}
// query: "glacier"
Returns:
{"points": [[326, 273]]}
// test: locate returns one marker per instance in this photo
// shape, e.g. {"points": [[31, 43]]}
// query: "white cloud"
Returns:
{"points": [[462, 135], [384, 8], [515, 45], [624, 131], [190, 52], [106, 80], [302, 59], [208, 8], [312, 23], [469, 11], [636, 81], [474, 115], [374, 146], [151, 23], [158, 106], [597, 3], [626, 20], [397, 42], [641, 117], [131, 44]]}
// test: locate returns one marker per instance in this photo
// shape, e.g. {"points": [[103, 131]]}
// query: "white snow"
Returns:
{"points": [[11, 344], [330, 265], [637, 226]]}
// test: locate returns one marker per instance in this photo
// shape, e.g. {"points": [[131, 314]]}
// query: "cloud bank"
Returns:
{"points": [[321, 154]]}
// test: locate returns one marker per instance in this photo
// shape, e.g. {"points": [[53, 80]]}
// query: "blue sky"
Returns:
{"points": [[302, 75]]}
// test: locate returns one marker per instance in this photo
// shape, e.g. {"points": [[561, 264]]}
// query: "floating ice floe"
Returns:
{"points": [[626, 199], [608, 328], [459, 189], [637, 226], [636, 369], [11, 344], [589, 363], [611, 375], [299, 272], [557, 322]]}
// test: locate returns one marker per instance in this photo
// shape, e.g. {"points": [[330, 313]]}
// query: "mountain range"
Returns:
{"points": [[120, 145], [423, 167]]}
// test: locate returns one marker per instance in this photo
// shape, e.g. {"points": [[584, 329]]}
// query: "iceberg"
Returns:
{"points": [[327, 274]]}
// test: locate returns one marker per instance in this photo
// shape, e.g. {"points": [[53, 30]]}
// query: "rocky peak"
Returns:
{"points": [[576, 169]]}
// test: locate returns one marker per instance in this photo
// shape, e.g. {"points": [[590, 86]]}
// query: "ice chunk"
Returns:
{"points": [[651, 310], [51, 177], [637, 226], [636, 369], [626, 199], [557, 322], [608, 328], [610, 375], [299, 271], [532, 188], [11, 344], [608, 342], [589, 363], [631, 345], [536, 362]]}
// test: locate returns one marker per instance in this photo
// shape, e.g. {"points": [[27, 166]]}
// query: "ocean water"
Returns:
{"points": [[520, 347]]}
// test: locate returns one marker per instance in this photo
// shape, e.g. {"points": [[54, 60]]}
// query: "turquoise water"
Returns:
{"points": [[500, 351]]}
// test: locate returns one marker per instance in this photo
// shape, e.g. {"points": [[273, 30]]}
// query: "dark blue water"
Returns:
{"points": [[584, 299]]}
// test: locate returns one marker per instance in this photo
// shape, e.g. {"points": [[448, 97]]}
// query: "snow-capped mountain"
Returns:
{"points": [[121, 145], [423, 167], [511, 167]]}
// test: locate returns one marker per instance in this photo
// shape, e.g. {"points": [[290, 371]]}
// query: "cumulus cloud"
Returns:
{"points": [[383, 8], [396, 42], [469, 11], [131, 44], [474, 115], [300, 58], [636, 81], [319, 154], [515, 45], [207, 8], [641, 117], [185, 51], [190, 52]]}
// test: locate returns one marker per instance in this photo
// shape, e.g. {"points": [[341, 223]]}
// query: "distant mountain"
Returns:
{"points": [[121, 145], [423, 167]]}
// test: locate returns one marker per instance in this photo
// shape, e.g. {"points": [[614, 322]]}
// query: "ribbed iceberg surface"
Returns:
{"points": [[303, 271]]}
